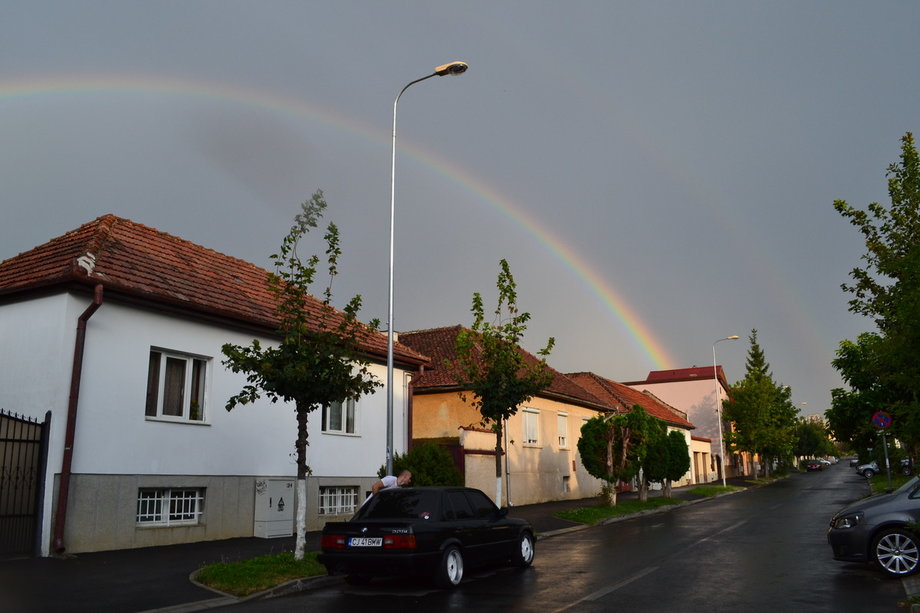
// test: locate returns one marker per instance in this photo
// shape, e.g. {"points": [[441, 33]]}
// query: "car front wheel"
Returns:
{"points": [[450, 570], [896, 552], [868, 473], [524, 551]]}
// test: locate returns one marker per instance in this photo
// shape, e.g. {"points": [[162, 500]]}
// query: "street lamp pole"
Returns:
{"points": [[453, 68], [715, 378]]}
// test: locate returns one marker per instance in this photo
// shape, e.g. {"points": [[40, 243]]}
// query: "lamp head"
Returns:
{"points": [[733, 337], [453, 68]]}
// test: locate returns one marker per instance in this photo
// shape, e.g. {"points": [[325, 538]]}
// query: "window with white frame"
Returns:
{"points": [[338, 500], [176, 384], [340, 418], [562, 429], [169, 507], [531, 426]]}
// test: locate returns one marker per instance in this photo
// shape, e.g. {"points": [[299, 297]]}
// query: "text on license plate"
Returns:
{"points": [[365, 542]]}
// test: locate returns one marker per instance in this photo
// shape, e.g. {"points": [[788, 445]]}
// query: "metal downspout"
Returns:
{"points": [[60, 515]]}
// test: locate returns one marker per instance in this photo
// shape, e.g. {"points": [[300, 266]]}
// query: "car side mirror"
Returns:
{"points": [[503, 513]]}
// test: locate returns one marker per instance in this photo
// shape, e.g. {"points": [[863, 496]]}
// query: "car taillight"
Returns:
{"points": [[399, 541], [332, 541]]}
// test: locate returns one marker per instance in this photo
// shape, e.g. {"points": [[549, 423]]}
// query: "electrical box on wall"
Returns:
{"points": [[274, 514]]}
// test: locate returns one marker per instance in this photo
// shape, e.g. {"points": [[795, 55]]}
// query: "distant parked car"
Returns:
{"points": [[871, 469], [427, 531], [854, 462], [814, 465], [880, 529]]}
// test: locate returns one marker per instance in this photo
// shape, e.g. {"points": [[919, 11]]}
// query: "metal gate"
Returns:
{"points": [[23, 455]]}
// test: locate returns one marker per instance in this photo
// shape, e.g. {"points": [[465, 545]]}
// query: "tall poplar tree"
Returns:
{"points": [[761, 414], [494, 368]]}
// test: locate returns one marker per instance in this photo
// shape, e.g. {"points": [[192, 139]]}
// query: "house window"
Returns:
{"points": [[169, 507], [337, 500], [531, 426], [339, 418], [176, 386], [562, 429]]}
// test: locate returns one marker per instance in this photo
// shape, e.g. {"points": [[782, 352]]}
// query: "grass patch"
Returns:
{"points": [[594, 514], [879, 482], [707, 491], [247, 577]]}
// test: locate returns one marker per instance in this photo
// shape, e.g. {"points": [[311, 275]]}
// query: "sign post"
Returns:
{"points": [[882, 421]]}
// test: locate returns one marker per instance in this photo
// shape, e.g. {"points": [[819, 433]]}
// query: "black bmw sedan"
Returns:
{"points": [[425, 531]]}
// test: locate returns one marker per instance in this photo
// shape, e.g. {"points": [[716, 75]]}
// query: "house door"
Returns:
{"points": [[23, 455]]}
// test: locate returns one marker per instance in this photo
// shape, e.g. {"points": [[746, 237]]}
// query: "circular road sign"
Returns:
{"points": [[881, 420]]}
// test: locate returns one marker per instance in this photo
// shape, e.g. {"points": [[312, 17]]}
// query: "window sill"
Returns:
{"points": [[176, 420], [333, 433]]}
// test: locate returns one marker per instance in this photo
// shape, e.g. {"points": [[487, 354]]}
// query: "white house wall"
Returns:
{"points": [[122, 449]]}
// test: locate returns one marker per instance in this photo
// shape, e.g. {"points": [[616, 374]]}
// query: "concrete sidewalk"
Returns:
{"points": [[132, 580]]}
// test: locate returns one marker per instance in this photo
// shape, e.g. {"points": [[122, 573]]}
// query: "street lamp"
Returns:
{"points": [[715, 378], [453, 68]]}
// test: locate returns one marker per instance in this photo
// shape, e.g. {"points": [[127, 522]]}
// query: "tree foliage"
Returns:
{"points": [[429, 463], [318, 359], [620, 447], [761, 414], [496, 374], [882, 368]]}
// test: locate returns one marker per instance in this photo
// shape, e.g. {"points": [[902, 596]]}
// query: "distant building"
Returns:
{"points": [[697, 392]]}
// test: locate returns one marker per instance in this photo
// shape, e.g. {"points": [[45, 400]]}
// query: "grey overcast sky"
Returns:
{"points": [[658, 174]]}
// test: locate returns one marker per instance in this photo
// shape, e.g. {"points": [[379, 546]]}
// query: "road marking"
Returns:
{"points": [[607, 590]]}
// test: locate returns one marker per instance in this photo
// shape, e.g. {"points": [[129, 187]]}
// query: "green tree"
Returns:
{"points": [[429, 463], [604, 449], [614, 448], [318, 359], [497, 373], [760, 411], [678, 460], [648, 447], [886, 289]]}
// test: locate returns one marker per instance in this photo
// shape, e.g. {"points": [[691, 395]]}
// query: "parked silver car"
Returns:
{"points": [[880, 529]]}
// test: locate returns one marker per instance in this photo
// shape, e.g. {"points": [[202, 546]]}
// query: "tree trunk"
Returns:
{"points": [[301, 523], [666, 488], [642, 483], [498, 464]]}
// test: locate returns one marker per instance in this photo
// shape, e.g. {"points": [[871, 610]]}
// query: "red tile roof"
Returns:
{"points": [[138, 263], [694, 373], [439, 376], [624, 398]]}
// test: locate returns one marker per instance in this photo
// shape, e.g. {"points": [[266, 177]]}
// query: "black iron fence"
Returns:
{"points": [[23, 455]]}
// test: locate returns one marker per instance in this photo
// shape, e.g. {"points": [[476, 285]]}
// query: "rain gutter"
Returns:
{"points": [[60, 515]]}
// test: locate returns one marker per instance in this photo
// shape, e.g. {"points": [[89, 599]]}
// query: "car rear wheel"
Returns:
{"points": [[868, 473], [450, 570], [524, 551], [896, 552]]}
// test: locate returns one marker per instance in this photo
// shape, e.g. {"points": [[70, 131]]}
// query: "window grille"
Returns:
{"points": [[169, 507], [338, 500]]}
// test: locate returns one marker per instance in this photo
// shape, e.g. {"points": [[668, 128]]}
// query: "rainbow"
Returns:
{"points": [[622, 313]]}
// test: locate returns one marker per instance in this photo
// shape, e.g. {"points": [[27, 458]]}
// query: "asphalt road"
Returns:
{"points": [[762, 550]]}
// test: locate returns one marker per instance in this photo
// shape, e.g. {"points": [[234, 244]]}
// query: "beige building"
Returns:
{"points": [[540, 460]]}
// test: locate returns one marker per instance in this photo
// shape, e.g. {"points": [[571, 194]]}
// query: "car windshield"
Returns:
{"points": [[402, 504]]}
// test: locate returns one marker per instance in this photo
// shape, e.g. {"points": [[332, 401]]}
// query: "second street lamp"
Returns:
{"points": [[715, 378], [453, 68]]}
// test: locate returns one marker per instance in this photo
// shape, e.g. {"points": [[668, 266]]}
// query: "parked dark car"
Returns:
{"points": [[425, 531], [880, 530]]}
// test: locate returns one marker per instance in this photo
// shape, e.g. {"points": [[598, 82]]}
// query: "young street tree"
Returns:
{"points": [[760, 411], [494, 368], [616, 447], [883, 368], [318, 360]]}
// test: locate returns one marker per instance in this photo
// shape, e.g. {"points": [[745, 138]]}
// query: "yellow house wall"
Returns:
{"points": [[537, 472]]}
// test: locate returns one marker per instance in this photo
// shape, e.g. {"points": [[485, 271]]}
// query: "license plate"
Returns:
{"points": [[365, 542]]}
